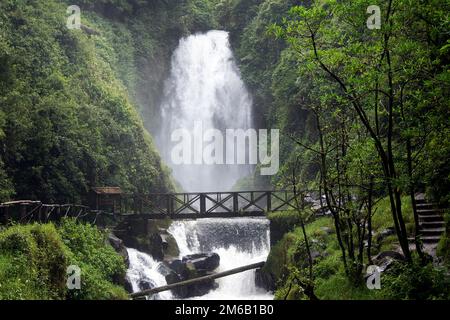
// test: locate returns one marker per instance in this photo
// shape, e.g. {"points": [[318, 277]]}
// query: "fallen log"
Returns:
{"points": [[197, 280]]}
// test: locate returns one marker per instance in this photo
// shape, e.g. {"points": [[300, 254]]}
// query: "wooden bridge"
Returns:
{"points": [[157, 206], [208, 204]]}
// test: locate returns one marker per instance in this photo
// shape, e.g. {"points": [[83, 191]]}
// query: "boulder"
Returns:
{"points": [[203, 261], [191, 267], [180, 268], [169, 244], [327, 230], [128, 286], [384, 234], [316, 255], [89, 31], [388, 254], [149, 236], [119, 247], [385, 259], [145, 284], [265, 280]]}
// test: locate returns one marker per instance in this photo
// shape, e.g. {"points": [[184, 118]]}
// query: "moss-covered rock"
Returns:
{"points": [[149, 236]]}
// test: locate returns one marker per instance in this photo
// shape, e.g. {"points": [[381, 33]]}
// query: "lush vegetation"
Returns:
{"points": [[364, 116], [69, 99], [288, 264], [34, 260]]}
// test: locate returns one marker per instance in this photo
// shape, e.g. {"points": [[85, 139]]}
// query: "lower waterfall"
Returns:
{"points": [[238, 241]]}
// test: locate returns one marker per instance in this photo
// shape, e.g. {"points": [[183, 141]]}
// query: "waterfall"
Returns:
{"points": [[238, 242], [204, 86], [145, 270]]}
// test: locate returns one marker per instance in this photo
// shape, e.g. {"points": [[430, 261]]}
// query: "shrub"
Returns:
{"points": [[414, 281], [282, 223], [101, 267], [443, 249], [34, 260]]}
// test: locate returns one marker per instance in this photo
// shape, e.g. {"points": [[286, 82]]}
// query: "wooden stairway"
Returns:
{"points": [[431, 221]]}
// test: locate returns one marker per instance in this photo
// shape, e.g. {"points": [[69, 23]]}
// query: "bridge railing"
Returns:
{"points": [[183, 205], [204, 203], [26, 211]]}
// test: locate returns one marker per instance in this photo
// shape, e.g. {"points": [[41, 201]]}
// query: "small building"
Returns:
{"points": [[106, 199]]}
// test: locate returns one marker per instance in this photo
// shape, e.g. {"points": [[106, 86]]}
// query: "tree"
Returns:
{"points": [[375, 73]]}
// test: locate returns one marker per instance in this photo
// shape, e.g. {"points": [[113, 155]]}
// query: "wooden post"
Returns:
{"points": [[170, 208], [23, 212], [235, 202], [7, 214], [202, 203], [39, 214]]}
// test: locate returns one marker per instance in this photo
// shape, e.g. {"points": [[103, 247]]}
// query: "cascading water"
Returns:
{"points": [[144, 269], [205, 85], [238, 242]]}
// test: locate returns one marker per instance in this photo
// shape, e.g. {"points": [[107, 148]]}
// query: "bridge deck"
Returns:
{"points": [[160, 206]]}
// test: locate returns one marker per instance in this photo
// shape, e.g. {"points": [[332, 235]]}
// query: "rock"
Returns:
{"points": [[384, 234], [203, 261], [187, 272], [327, 230], [147, 236], [180, 268], [265, 280], [170, 246], [155, 246], [128, 286], [120, 248], [385, 259], [191, 267], [145, 284], [89, 31], [391, 254], [316, 255]]}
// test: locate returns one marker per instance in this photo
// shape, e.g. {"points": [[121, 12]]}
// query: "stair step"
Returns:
{"points": [[428, 211], [432, 232], [427, 205], [427, 239], [436, 224], [431, 218]]}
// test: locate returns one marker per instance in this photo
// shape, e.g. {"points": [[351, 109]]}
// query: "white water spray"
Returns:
{"points": [[144, 270], [204, 86], [238, 242]]}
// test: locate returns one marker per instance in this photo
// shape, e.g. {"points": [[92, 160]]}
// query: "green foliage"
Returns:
{"points": [[331, 282], [284, 222], [67, 122], [338, 287], [34, 260], [415, 281], [443, 249], [382, 218], [88, 245]]}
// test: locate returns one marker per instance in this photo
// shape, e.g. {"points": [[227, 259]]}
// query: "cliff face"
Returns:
{"points": [[77, 106]]}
